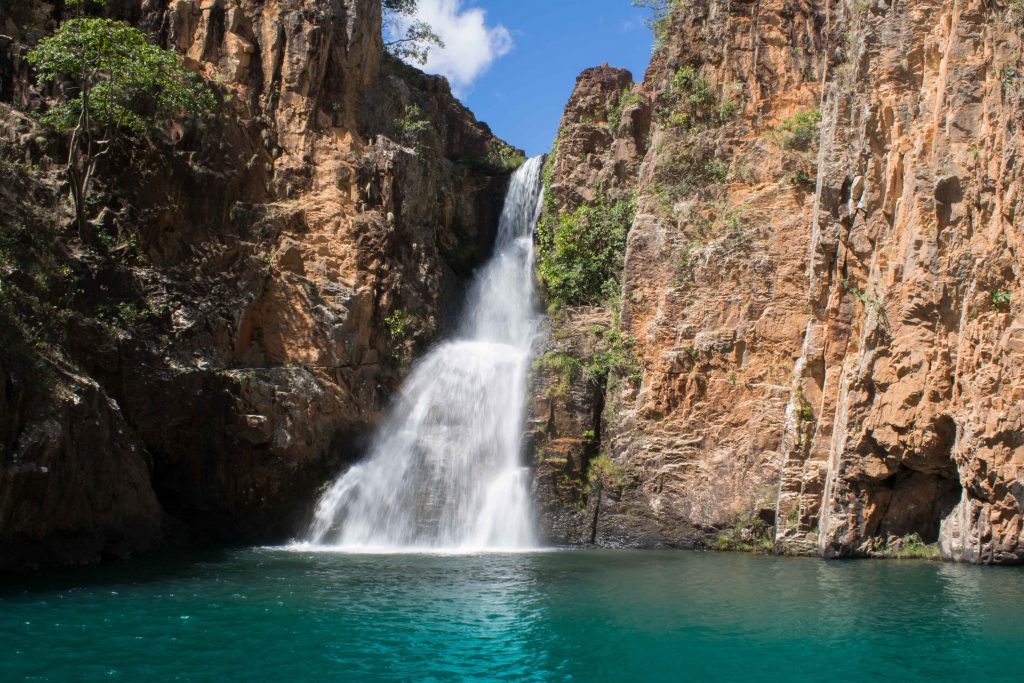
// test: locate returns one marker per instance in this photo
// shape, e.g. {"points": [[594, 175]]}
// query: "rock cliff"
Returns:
{"points": [[254, 288], [782, 272], [820, 290]]}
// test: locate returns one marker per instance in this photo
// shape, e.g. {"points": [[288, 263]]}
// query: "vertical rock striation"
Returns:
{"points": [[914, 284], [269, 272], [822, 284]]}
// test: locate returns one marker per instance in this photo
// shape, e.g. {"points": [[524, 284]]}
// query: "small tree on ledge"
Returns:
{"points": [[121, 85], [419, 37]]}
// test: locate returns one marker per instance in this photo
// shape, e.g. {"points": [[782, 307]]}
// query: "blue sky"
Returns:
{"points": [[514, 62]]}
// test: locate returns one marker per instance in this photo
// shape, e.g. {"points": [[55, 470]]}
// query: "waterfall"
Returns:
{"points": [[444, 470]]}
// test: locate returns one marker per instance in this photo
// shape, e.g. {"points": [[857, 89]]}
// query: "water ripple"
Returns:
{"points": [[290, 614]]}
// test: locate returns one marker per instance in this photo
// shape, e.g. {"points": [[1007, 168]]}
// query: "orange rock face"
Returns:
{"points": [[914, 285], [822, 284], [334, 190]]}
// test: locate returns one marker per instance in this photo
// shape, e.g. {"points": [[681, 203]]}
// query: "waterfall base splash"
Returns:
{"points": [[444, 471]]}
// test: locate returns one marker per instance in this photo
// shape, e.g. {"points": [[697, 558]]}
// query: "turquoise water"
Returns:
{"points": [[554, 616]]}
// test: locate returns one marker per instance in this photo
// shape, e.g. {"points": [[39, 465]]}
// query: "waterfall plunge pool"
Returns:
{"points": [[583, 615]]}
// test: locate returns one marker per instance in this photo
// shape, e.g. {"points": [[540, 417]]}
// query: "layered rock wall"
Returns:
{"points": [[822, 284]]}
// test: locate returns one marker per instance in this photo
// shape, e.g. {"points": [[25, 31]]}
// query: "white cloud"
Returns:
{"points": [[471, 46]]}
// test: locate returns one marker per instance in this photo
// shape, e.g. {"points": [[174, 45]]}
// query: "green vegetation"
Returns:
{"points": [[627, 98], [661, 10], [410, 39], [909, 547], [565, 366], [689, 169], [767, 496], [694, 104], [411, 127], [800, 131], [728, 228], [798, 137], [501, 158], [23, 338], [37, 285], [871, 302], [125, 314], [804, 410], [396, 325], [714, 171], [27, 321], [803, 178], [722, 234], [614, 357], [605, 473], [734, 227], [580, 254], [545, 174], [1009, 75], [1000, 298], [20, 243], [793, 518], [750, 535], [122, 85], [505, 157]]}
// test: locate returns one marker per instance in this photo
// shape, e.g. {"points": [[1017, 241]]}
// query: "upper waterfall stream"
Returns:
{"points": [[444, 470]]}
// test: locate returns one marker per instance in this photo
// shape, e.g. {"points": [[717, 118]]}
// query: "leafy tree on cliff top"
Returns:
{"points": [[409, 40], [115, 83], [660, 11]]}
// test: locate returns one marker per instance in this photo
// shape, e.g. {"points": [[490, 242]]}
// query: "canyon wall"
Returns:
{"points": [[254, 287], [820, 290], [811, 342]]}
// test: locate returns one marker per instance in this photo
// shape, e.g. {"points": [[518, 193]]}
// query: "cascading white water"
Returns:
{"points": [[444, 469]]}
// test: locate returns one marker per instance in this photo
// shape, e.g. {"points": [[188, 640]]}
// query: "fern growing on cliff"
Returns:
{"points": [[1000, 299]]}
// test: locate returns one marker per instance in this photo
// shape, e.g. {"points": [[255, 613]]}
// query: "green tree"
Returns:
{"points": [[120, 84], [414, 43], [660, 11], [580, 254]]}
